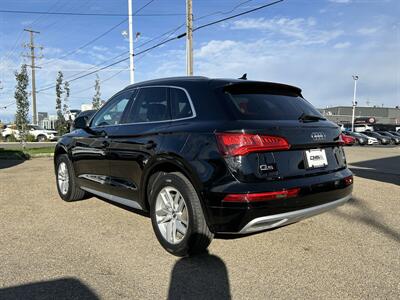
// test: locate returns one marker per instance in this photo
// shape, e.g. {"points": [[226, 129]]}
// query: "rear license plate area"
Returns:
{"points": [[315, 158]]}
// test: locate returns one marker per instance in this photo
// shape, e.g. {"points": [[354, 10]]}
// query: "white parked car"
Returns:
{"points": [[40, 134], [363, 127]]}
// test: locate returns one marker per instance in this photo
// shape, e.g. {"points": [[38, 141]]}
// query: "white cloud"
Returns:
{"points": [[122, 48], [302, 30], [367, 30], [340, 1], [342, 45], [49, 51], [100, 48], [323, 74]]}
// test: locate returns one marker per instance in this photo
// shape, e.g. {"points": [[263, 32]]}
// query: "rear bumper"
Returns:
{"points": [[273, 221], [317, 194]]}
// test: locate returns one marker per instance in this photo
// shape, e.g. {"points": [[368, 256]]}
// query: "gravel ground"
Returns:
{"points": [[93, 249]]}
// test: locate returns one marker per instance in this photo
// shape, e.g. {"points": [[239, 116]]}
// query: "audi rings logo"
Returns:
{"points": [[318, 136]]}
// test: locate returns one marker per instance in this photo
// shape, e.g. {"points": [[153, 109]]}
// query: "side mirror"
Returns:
{"points": [[81, 122]]}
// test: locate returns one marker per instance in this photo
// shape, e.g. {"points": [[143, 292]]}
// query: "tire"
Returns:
{"points": [[70, 191], [197, 235], [8, 138], [41, 138]]}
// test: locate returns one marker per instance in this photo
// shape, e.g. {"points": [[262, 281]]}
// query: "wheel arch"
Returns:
{"points": [[39, 135], [59, 149], [168, 163]]}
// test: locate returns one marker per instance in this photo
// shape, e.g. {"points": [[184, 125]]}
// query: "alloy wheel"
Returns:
{"points": [[171, 215], [63, 178]]}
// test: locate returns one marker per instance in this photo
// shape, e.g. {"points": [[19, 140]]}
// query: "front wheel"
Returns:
{"points": [[66, 183], [177, 215], [41, 138]]}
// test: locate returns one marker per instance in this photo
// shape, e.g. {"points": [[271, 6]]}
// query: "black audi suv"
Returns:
{"points": [[206, 156]]}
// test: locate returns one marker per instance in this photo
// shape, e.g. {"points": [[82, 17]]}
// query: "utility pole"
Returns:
{"points": [[32, 56], [189, 38], [131, 62], [355, 78]]}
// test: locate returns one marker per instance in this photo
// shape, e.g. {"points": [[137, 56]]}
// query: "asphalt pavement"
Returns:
{"points": [[92, 249]]}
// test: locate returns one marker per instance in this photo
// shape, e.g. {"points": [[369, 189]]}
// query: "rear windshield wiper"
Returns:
{"points": [[305, 117]]}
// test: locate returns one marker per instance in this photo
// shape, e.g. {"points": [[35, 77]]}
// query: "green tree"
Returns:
{"points": [[21, 98], [96, 102], [66, 111], [61, 123]]}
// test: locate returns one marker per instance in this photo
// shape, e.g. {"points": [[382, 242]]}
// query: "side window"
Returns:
{"points": [[180, 104], [111, 114], [150, 105]]}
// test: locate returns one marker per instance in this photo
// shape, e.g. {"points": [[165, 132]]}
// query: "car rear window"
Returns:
{"points": [[270, 106]]}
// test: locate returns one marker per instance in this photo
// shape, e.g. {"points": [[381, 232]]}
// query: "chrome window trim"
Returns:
{"points": [[194, 114]]}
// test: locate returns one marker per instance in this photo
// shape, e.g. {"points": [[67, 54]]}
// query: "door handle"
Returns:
{"points": [[150, 145]]}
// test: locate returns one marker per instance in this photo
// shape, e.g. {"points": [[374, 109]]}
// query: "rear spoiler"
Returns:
{"points": [[263, 87]]}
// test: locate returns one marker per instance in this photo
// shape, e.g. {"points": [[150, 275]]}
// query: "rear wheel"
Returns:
{"points": [[66, 182], [177, 215]]}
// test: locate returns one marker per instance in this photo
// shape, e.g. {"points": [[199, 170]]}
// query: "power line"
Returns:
{"points": [[171, 39], [169, 33], [89, 14], [224, 12], [8, 105], [238, 15], [86, 44], [11, 52], [99, 36], [101, 81], [41, 16]]}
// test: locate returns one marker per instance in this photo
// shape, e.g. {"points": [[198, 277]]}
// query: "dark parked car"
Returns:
{"points": [[206, 156], [396, 133], [382, 139], [394, 139], [361, 140]]}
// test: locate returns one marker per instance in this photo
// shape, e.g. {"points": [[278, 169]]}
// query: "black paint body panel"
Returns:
{"points": [[121, 158]]}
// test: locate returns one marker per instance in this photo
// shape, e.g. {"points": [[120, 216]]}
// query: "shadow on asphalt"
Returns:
{"points": [[369, 218], [64, 288], [8, 163], [199, 277], [382, 169]]}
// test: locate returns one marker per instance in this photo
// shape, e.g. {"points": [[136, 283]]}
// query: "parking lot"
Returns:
{"points": [[97, 250]]}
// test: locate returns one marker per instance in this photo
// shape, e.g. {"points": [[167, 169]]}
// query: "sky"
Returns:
{"points": [[316, 45]]}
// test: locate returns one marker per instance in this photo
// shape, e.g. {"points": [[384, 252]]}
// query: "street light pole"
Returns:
{"points": [[130, 29], [355, 78]]}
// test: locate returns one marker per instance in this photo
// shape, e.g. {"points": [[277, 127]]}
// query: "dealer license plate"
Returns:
{"points": [[316, 158]]}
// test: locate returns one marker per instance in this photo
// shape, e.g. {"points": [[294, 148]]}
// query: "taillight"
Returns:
{"points": [[348, 180], [341, 140], [235, 144], [256, 197]]}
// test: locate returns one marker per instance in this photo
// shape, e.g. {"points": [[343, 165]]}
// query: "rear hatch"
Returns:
{"points": [[268, 114]]}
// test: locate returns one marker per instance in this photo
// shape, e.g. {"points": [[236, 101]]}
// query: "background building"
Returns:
{"points": [[342, 114], [49, 122], [86, 106], [42, 116]]}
